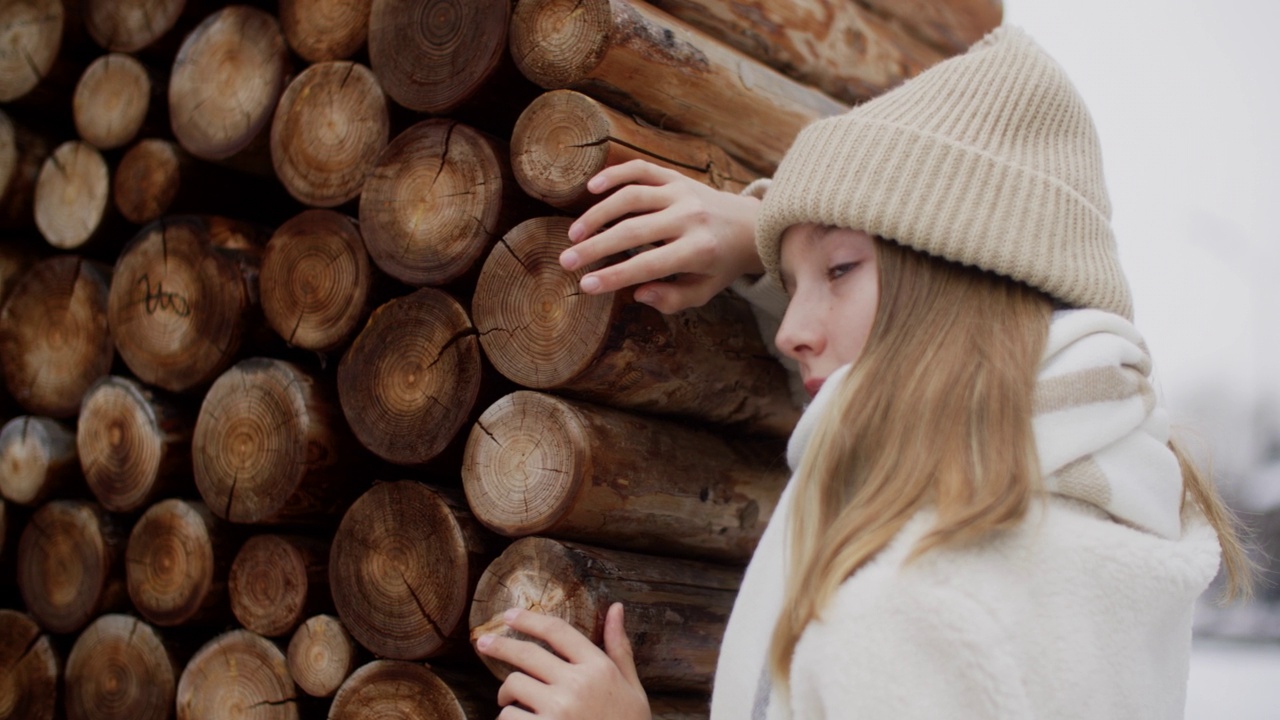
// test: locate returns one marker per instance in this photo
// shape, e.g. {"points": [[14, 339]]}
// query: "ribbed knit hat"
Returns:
{"points": [[988, 159]]}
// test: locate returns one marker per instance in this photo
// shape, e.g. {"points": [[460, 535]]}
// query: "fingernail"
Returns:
{"points": [[484, 642], [511, 614], [575, 232], [595, 183], [590, 284], [648, 297], [569, 259]]}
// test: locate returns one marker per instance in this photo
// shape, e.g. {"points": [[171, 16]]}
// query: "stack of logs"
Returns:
{"points": [[297, 399]]}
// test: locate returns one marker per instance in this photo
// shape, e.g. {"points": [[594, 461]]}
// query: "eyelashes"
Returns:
{"points": [[835, 272]]}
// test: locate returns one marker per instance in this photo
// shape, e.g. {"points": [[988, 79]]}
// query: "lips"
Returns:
{"points": [[813, 385]]}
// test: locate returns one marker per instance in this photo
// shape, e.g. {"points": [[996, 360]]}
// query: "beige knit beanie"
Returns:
{"points": [[988, 159]]}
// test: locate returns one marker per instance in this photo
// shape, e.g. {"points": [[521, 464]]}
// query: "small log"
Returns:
{"points": [[148, 180], [276, 581], [120, 669], [128, 26], [183, 297], [237, 676], [226, 81], [70, 565], [316, 280], [541, 332], [439, 197], [320, 30], [676, 609], [321, 655], [411, 378], [111, 101], [641, 60], [54, 337], [134, 443], [176, 564], [404, 563], [950, 26], [29, 55], [537, 464], [270, 446], [72, 199], [564, 138], [22, 154], [29, 670], [37, 459], [409, 691]]}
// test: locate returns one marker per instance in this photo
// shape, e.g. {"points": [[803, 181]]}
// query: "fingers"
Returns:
{"points": [[511, 712], [520, 688], [630, 200], [527, 657], [618, 646], [627, 235], [632, 171], [563, 638], [683, 293]]}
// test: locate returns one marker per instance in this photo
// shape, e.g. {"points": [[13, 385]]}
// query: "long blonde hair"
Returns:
{"points": [[936, 411]]}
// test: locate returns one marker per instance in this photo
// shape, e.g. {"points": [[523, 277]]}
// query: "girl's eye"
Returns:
{"points": [[836, 271]]}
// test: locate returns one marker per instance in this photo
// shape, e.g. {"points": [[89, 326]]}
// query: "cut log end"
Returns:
{"points": [[237, 675], [170, 562], [66, 562], [320, 30], [119, 669], [71, 195], [147, 180], [32, 33], [408, 691], [559, 143], [29, 669], [322, 654], [111, 101], [269, 582], [127, 443], [37, 457], [557, 43], [128, 26]]}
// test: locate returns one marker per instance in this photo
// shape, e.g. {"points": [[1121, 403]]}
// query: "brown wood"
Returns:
{"points": [[537, 464], [679, 707], [641, 60], [70, 564], [54, 336], [226, 81], [951, 26], [134, 443], [111, 101], [176, 564], [15, 260], [540, 331], [149, 179], [32, 40], [29, 670], [128, 26], [411, 378], [320, 30], [330, 126], [270, 446], [409, 691], [37, 459], [72, 198], [676, 610], [321, 655], [316, 280], [22, 154], [237, 676], [276, 581], [183, 297], [463, 197], [402, 568], [564, 138], [120, 669]]}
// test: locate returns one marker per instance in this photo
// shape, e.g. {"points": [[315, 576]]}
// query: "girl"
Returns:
{"points": [[987, 518]]}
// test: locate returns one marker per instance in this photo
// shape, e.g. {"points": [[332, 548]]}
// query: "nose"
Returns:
{"points": [[800, 336]]}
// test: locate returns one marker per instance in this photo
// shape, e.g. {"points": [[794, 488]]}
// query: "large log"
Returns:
{"points": [[330, 126], [128, 26], [438, 198], [120, 669], [270, 446], [564, 138], [237, 676], [29, 670], [183, 297], [404, 563], [70, 565], [276, 581], [320, 30], [72, 199], [951, 26], [409, 691], [111, 101], [32, 32], [542, 465], [176, 564], [22, 154], [411, 378], [134, 443], [321, 655], [641, 60], [37, 459], [540, 331], [54, 336], [676, 609]]}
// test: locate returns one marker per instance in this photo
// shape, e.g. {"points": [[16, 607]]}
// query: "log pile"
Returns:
{"points": [[296, 397]]}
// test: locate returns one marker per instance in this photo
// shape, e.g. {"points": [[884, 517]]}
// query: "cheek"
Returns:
{"points": [[858, 313]]}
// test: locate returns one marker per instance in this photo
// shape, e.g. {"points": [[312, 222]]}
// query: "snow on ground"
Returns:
{"points": [[1233, 680]]}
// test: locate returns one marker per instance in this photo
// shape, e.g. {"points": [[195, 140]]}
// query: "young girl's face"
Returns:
{"points": [[830, 274]]}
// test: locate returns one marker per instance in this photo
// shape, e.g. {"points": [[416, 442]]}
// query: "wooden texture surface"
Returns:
{"points": [[321, 655], [128, 26], [320, 30], [120, 669], [22, 154], [37, 459], [237, 676], [32, 32], [410, 691], [72, 197], [70, 564], [31, 669], [276, 581], [176, 564], [111, 101]]}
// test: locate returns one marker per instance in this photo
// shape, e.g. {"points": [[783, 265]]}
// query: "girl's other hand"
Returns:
{"points": [[577, 682], [705, 238]]}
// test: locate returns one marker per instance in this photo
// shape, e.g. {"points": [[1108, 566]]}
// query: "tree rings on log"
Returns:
{"points": [[320, 30], [111, 101], [147, 180], [278, 580], [176, 564], [29, 669], [409, 691], [69, 565], [238, 676], [32, 38], [72, 195], [128, 26], [120, 669], [37, 459], [322, 654]]}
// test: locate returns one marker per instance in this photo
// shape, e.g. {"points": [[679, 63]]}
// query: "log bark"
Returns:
{"points": [[949, 26], [321, 30], [30, 668], [70, 565], [72, 199], [676, 609], [22, 154], [409, 691], [176, 564], [276, 581], [404, 563], [33, 42], [641, 60], [270, 446], [411, 378], [134, 443], [112, 101], [463, 198], [541, 332], [321, 655], [54, 336], [542, 465], [128, 26], [564, 138], [37, 459], [237, 676], [120, 669], [183, 297], [330, 126]]}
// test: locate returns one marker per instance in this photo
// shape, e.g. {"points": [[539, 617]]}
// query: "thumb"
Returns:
{"points": [[618, 646]]}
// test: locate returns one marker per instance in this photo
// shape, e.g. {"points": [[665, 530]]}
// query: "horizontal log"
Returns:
{"points": [[72, 204], [951, 26], [111, 101], [37, 459], [540, 331], [70, 565], [22, 154], [176, 564], [276, 581], [320, 30], [410, 691], [33, 39], [30, 667], [322, 655], [120, 669], [237, 674]]}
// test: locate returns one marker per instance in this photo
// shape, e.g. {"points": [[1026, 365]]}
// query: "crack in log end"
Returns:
{"points": [[704, 168], [465, 332], [422, 608], [485, 430], [657, 44], [515, 255], [272, 703]]}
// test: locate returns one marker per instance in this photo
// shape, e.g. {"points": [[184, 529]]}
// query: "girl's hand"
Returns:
{"points": [[578, 682], [706, 237]]}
